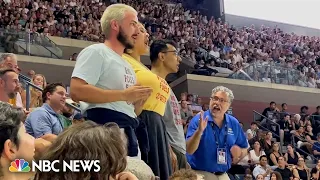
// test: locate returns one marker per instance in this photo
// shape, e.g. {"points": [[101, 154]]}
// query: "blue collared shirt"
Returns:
{"points": [[205, 157], [43, 120]]}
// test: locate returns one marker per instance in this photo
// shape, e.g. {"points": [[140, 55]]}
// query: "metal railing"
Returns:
{"points": [[28, 84], [15, 41], [255, 114], [304, 140]]}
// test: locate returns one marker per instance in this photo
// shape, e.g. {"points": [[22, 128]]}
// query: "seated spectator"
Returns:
{"points": [[267, 143], [263, 168], [301, 171], [260, 177], [316, 147], [140, 169], [291, 156], [285, 128], [256, 153], [275, 176], [35, 94], [44, 121], [301, 141], [251, 133], [66, 115], [15, 142], [8, 85], [91, 141], [185, 110], [184, 174], [285, 172], [315, 172], [275, 154]]}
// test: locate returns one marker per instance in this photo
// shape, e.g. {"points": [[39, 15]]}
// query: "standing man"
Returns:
{"points": [[9, 60], [172, 116], [106, 82], [212, 148]]}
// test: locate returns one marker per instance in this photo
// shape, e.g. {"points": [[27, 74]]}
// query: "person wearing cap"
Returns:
{"points": [[215, 139]]}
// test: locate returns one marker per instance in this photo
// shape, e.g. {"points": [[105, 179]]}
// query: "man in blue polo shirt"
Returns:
{"points": [[215, 139], [44, 121]]}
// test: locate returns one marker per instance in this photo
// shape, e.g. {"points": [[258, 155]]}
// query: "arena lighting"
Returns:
{"points": [[296, 12]]}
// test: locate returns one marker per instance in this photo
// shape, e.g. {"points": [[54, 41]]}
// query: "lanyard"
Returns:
{"points": [[216, 135]]}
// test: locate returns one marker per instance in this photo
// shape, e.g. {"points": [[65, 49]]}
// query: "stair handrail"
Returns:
{"points": [[295, 145], [268, 119], [29, 83]]}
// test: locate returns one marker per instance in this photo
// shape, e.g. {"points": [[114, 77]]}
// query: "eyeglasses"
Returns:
{"points": [[215, 98], [175, 52]]}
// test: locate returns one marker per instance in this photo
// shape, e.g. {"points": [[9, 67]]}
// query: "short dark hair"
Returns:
{"points": [[272, 102], [263, 156], [5, 71], [50, 89], [283, 104], [10, 122], [157, 47]]}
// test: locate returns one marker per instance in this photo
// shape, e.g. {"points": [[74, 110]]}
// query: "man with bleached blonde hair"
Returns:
{"points": [[104, 81]]}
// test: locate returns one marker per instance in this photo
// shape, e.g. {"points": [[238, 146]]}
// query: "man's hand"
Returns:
{"points": [[136, 93], [202, 122], [126, 176]]}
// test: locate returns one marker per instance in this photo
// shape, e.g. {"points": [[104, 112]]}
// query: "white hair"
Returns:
{"points": [[224, 89], [4, 56], [114, 12]]}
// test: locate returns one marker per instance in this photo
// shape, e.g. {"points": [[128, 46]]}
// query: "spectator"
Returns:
{"points": [[8, 84], [274, 156], [316, 147], [15, 142], [275, 176], [315, 171], [185, 110], [44, 122], [185, 174], [256, 153], [263, 168], [9, 60], [286, 173], [268, 112], [252, 132], [35, 95], [110, 93], [89, 141], [291, 156], [267, 143], [301, 171]]}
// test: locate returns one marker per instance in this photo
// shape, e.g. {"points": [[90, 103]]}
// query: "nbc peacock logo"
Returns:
{"points": [[19, 165]]}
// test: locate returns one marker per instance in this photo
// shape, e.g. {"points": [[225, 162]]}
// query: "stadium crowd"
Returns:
{"points": [[50, 126], [203, 40]]}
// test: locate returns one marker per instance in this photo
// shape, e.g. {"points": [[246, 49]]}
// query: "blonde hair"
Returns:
{"points": [[114, 12]]}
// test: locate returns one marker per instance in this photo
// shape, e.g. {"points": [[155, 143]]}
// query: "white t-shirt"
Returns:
{"points": [[254, 157], [100, 66]]}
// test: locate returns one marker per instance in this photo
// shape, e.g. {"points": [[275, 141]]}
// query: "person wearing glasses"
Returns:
{"points": [[215, 139], [164, 60]]}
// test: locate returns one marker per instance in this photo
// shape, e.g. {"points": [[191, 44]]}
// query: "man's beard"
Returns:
{"points": [[12, 95], [123, 39]]}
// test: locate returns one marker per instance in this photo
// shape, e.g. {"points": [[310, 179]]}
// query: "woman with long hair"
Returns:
{"points": [[275, 176], [151, 112], [301, 171], [255, 153], [89, 141], [267, 143], [274, 156], [35, 95], [291, 156]]}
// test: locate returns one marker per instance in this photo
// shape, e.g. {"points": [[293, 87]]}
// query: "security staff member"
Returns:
{"points": [[215, 139]]}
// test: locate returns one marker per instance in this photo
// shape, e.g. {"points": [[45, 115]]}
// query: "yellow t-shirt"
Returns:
{"points": [[161, 91], [12, 101]]}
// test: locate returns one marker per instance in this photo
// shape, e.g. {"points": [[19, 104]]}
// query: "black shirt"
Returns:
{"points": [[286, 174]]}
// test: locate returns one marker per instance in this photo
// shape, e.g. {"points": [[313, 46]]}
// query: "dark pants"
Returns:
{"points": [[158, 157], [181, 158]]}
